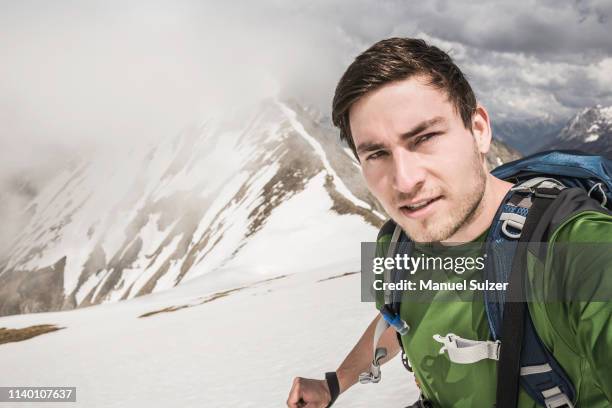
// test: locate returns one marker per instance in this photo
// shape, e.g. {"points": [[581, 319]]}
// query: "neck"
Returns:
{"points": [[495, 191]]}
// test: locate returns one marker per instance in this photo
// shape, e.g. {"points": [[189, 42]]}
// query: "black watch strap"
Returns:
{"points": [[333, 385]]}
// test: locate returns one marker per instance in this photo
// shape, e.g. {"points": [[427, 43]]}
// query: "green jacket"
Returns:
{"points": [[578, 333]]}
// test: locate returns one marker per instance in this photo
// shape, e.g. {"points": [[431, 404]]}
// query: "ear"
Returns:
{"points": [[481, 128]]}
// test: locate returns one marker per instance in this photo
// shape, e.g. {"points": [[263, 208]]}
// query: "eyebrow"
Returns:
{"points": [[371, 146], [422, 126]]}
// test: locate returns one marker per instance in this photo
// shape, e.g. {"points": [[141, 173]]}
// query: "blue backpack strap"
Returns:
{"points": [[501, 244]]}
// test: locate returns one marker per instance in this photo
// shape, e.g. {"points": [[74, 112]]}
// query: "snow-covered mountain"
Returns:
{"points": [[589, 131], [248, 194]]}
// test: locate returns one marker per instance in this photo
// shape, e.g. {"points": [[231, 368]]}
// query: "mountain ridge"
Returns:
{"points": [[213, 202], [590, 130]]}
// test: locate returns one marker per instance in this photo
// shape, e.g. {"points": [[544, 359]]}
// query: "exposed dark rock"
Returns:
{"points": [[33, 291]]}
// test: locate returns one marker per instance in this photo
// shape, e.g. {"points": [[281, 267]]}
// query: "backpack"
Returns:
{"points": [[550, 187]]}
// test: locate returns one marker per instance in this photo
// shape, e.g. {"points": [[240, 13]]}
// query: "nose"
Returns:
{"points": [[408, 172]]}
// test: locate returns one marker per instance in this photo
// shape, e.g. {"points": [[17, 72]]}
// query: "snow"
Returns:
{"points": [[222, 197], [235, 219], [591, 138], [291, 115], [593, 128], [301, 232], [606, 113], [104, 195], [242, 350], [147, 271], [151, 236], [170, 278], [87, 286]]}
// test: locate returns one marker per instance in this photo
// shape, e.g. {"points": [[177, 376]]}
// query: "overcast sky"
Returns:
{"points": [[94, 73]]}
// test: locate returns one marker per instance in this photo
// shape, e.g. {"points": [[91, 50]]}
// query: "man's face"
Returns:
{"points": [[418, 159]]}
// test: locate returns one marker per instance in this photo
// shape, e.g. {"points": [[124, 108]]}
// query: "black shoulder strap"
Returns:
{"points": [[508, 368], [521, 346]]}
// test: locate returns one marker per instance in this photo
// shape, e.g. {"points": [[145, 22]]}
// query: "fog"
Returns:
{"points": [[82, 76]]}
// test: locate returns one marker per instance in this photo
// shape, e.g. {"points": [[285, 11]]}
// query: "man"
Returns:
{"points": [[413, 122]]}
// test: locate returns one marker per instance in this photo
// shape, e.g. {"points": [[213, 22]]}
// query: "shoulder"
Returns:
{"points": [[386, 231], [586, 226], [575, 281], [384, 237], [578, 255], [383, 241]]}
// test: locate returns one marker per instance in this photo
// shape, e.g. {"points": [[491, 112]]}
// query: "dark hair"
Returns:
{"points": [[395, 59]]}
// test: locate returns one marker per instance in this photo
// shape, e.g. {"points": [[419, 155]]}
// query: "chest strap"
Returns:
{"points": [[465, 351]]}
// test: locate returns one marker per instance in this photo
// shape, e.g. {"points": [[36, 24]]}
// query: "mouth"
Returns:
{"points": [[419, 209]]}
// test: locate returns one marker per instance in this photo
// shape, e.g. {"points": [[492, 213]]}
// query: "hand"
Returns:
{"points": [[308, 393]]}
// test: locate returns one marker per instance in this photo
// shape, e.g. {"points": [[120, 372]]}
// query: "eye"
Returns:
{"points": [[426, 137], [376, 155]]}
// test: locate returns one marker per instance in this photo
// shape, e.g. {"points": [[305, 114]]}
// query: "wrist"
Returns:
{"points": [[346, 378]]}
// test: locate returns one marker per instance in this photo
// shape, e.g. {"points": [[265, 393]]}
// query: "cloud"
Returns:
{"points": [[531, 26], [94, 75]]}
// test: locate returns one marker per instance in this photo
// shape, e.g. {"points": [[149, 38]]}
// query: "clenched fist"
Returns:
{"points": [[308, 393]]}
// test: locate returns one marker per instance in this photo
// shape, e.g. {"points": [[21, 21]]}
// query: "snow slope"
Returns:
{"points": [[241, 350]]}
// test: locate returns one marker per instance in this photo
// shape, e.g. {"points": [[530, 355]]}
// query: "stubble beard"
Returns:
{"points": [[443, 227]]}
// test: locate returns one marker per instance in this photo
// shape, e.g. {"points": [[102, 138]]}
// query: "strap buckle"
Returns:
{"points": [[514, 220], [542, 192], [465, 351], [373, 376], [529, 186], [556, 400]]}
